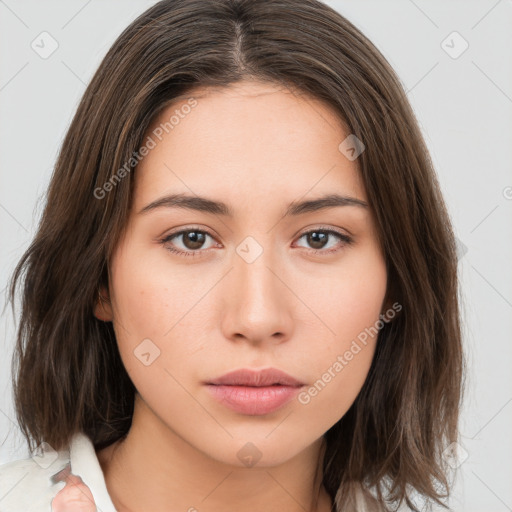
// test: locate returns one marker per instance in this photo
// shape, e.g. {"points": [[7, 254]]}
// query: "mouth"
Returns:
{"points": [[257, 378], [254, 393], [253, 401]]}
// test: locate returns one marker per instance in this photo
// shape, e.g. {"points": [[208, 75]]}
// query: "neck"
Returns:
{"points": [[152, 468]]}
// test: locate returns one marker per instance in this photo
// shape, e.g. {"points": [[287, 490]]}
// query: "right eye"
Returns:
{"points": [[192, 240]]}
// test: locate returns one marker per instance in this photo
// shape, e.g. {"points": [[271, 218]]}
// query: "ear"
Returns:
{"points": [[102, 307]]}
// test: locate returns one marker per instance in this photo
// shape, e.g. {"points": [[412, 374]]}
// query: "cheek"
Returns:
{"points": [[349, 304], [349, 300], [328, 397], [152, 307], [151, 295], [153, 302]]}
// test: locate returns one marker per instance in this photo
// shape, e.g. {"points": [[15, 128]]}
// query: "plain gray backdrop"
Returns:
{"points": [[455, 61]]}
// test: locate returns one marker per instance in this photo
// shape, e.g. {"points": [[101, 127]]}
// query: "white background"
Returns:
{"points": [[464, 106]]}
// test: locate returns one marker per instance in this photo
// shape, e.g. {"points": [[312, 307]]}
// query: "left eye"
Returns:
{"points": [[194, 239], [319, 238]]}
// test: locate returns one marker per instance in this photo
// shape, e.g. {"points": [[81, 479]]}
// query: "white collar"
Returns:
{"points": [[84, 463]]}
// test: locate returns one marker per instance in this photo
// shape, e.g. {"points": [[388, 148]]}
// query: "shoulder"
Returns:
{"points": [[29, 485], [361, 499]]}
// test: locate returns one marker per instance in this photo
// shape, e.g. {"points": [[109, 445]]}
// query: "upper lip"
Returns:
{"points": [[256, 378]]}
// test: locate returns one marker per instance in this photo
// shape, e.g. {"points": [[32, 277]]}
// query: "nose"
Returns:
{"points": [[259, 303]]}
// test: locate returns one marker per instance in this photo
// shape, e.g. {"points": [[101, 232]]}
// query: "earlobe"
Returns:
{"points": [[102, 307]]}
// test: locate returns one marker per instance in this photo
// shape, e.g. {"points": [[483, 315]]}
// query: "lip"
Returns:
{"points": [[254, 392], [256, 378]]}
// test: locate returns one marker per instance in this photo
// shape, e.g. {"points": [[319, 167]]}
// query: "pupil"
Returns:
{"points": [[318, 238], [194, 240]]}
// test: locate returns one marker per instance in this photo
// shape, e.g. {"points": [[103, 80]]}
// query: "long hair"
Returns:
{"points": [[68, 374]]}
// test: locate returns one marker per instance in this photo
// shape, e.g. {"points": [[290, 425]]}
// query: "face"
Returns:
{"points": [[197, 293]]}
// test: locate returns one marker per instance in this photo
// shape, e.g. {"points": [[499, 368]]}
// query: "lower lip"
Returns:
{"points": [[253, 401]]}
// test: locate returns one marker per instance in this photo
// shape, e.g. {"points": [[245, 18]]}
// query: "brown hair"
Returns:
{"points": [[68, 372]]}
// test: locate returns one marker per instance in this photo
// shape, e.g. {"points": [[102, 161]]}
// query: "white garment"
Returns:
{"points": [[26, 485]]}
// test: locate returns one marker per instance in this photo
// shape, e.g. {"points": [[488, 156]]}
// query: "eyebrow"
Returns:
{"points": [[203, 204]]}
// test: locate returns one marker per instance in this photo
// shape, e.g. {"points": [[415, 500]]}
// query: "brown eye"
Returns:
{"points": [[191, 241], [318, 239]]}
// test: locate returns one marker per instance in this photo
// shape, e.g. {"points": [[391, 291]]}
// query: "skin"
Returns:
{"points": [[74, 496], [256, 147]]}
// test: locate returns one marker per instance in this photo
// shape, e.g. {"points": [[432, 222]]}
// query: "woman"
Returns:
{"points": [[243, 289]]}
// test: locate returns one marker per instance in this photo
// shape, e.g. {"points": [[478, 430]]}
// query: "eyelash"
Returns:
{"points": [[345, 239]]}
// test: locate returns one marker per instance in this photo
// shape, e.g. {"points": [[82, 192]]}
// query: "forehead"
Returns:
{"points": [[251, 140]]}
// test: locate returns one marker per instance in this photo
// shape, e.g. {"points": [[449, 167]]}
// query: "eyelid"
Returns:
{"points": [[306, 230], [192, 227], [345, 239], [181, 231], [320, 227]]}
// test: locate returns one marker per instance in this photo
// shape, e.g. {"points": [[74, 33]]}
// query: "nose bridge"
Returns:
{"points": [[253, 262], [258, 307]]}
